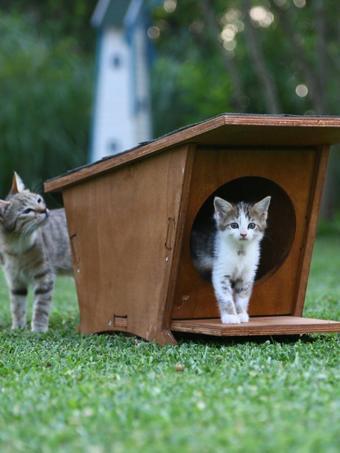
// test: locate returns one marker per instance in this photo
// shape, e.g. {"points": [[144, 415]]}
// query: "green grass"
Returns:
{"points": [[108, 393]]}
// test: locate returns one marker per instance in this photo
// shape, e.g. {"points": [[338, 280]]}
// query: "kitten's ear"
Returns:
{"points": [[222, 207], [17, 184], [262, 206]]}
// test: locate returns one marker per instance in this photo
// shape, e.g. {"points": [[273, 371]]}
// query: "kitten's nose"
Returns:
{"points": [[243, 235]]}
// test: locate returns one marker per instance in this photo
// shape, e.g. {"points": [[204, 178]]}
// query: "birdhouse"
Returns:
{"points": [[121, 115], [131, 217]]}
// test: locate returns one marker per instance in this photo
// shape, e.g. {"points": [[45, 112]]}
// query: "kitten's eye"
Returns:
{"points": [[234, 225], [251, 226], [27, 210], [39, 200]]}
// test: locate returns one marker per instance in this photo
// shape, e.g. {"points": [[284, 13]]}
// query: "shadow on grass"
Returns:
{"points": [[216, 341], [232, 341]]}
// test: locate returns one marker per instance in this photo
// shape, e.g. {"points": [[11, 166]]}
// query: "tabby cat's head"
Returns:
{"points": [[242, 221], [23, 211]]}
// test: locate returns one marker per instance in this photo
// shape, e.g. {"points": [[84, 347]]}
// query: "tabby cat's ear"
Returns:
{"points": [[222, 207], [17, 184]]}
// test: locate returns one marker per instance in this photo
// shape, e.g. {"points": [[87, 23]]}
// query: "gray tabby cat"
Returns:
{"points": [[34, 246], [231, 255]]}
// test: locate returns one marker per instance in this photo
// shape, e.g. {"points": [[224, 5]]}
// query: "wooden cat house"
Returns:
{"points": [[130, 219]]}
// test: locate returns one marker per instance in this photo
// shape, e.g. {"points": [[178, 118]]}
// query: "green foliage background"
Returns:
{"points": [[190, 80], [46, 79], [47, 54]]}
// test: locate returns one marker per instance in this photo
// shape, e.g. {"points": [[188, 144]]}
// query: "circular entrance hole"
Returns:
{"points": [[281, 222]]}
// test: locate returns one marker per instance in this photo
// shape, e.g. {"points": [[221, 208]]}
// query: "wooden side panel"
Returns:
{"points": [[122, 226], [277, 292]]}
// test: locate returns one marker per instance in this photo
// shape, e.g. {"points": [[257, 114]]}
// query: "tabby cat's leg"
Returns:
{"points": [[43, 289], [242, 293], [18, 305], [224, 295]]}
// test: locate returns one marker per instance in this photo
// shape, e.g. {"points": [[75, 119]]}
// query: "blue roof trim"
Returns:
{"points": [[110, 13], [99, 12], [133, 13]]}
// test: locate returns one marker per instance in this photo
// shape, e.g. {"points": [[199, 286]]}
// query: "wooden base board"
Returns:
{"points": [[264, 325]]}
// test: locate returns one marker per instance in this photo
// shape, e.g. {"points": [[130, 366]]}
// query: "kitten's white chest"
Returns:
{"points": [[236, 259]]}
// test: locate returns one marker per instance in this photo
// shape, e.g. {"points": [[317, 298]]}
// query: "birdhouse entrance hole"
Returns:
{"points": [[280, 232]]}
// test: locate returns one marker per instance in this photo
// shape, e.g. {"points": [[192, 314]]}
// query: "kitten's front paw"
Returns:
{"points": [[243, 317], [230, 319]]}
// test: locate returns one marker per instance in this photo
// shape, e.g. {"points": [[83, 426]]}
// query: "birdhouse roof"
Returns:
{"points": [[108, 12], [226, 130]]}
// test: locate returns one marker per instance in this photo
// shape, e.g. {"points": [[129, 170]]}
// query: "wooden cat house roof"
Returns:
{"points": [[223, 130], [130, 219]]}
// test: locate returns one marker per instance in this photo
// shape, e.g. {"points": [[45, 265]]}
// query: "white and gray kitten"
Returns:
{"points": [[34, 247], [232, 255]]}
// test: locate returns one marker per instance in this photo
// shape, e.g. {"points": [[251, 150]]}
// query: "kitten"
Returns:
{"points": [[232, 255], [34, 247]]}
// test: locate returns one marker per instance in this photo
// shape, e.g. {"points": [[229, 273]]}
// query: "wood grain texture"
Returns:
{"points": [[271, 325], [224, 130], [293, 170], [319, 176], [165, 312], [119, 225]]}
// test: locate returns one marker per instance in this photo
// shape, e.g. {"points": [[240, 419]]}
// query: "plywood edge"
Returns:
{"points": [[165, 312], [320, 173], [282, 120], [257, 326]]}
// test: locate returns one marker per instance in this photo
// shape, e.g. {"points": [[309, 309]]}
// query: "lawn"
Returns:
{"points": [[107, 393]]}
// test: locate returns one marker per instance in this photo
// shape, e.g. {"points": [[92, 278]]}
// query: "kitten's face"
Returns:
{"points": [[23, 211], [242, 222]]}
